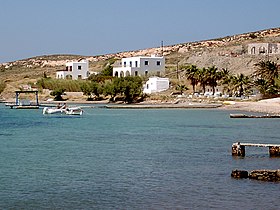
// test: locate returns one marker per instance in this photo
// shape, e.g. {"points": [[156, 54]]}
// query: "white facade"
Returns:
{"points": [[140, 66], [74, 70], [156, 84]]}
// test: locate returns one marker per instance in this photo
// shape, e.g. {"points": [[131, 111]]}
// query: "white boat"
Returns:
{"points": [[67, 111], [52, 110], [73, 111]]}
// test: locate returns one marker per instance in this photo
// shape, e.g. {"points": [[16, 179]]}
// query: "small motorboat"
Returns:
{"points": [[73, 111], [51, 110], [67, 111]]}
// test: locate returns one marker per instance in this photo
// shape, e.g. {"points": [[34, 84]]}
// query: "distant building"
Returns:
{"points": [[263, 48], [140, 66], [74, 70], [156, 84]]}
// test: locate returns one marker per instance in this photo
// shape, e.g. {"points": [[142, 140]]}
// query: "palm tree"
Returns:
{"points": [[241, 82], [226, 80], [265, 88], [213, 77], [192, 75], [203, 78], [267, 70]]}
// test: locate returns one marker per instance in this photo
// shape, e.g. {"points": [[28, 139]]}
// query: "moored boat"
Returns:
{"points": [[67, 111], [74, 111]]}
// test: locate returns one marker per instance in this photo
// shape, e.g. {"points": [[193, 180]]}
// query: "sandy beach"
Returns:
{"points": [[269, 106]]}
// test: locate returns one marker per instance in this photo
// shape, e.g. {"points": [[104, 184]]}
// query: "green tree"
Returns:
{"points": [[203, 78], [192, 75], [109, 90], [241, 83], [213, 77], [266, 76], [131, 87], [57, 93], [227, 81], [96, 89], [85, 87], [267, 70], [265, 88], [181, 88]]}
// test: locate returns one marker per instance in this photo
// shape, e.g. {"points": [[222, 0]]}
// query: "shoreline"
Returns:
{"points": [[268, 106]]}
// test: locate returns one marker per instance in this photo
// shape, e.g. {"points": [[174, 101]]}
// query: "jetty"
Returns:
{"points": [[238, 149], [253, 116], [24, 104]]}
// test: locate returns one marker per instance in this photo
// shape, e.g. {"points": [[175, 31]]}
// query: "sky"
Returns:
{"points": [[94, 27]]}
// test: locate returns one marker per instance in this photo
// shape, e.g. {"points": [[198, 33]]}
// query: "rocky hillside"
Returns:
{"points": [[227, 52]]}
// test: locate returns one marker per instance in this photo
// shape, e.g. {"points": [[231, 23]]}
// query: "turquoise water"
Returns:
{"points": [[133, 159]]}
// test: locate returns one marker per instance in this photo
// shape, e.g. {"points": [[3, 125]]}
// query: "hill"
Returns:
{"points": [[228, 52]]}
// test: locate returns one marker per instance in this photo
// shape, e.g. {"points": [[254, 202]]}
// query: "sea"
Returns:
{"points": [[133, 159]]}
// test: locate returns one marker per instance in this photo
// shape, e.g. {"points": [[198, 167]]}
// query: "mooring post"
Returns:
{"points": [[274, 151], [237, 149]]}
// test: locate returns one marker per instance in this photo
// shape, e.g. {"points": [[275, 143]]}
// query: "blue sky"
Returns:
{"points": [[93, 27]]}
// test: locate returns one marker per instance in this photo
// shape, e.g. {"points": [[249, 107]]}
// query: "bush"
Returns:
{"points": [[2, 86]]}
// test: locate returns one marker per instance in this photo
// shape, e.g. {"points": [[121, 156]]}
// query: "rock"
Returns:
{"points": [[239, 174]]}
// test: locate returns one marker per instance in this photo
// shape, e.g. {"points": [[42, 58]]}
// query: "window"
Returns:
{"points": [[124, 63], [130, 63], [158, 63], [79, 76], [136, 73], [146, 73], [146, 63], [136, 63], [262, 50], [253, 50], [79, 67], [70, 68]]}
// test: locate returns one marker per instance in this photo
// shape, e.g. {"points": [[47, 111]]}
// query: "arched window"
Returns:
{"points": [[253, 50], [116, 74], [121, 74], [262, 50], [127, 73]]}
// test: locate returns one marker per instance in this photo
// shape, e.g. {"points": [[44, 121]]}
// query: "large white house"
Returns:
{"points": [[156, 84], [140, 66], [74, 70]]}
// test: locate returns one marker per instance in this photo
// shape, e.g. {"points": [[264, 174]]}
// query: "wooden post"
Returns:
{"points": [[274, 151], [17, 99], [238, 150]]}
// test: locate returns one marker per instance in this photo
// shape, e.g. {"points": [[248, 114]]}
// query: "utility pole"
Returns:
{"points": [[162, 48], [177, 69]]}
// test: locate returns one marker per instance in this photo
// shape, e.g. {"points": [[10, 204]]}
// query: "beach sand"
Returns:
{"points": [[269, 106]]}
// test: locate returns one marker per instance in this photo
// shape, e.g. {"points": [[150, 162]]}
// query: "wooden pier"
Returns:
{"points": [[19, 105], [238, 149]]}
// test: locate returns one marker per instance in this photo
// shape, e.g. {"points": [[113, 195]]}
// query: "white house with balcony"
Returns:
{"points": [[74, 70], [140, 66], [156, 84]]}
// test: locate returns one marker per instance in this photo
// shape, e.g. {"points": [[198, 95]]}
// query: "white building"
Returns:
{"points": [[156, 84], [140, 66], [74, 70], [263, 48]]}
